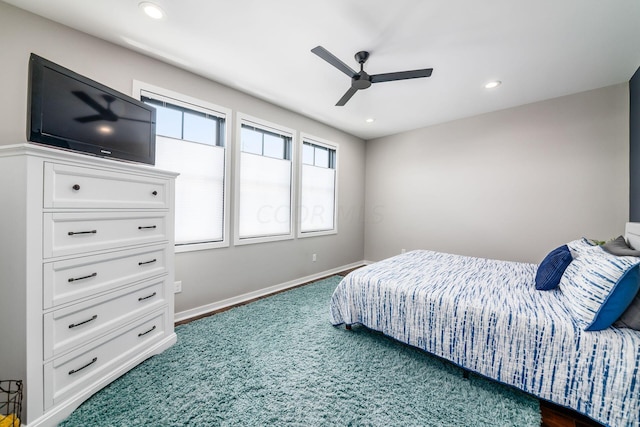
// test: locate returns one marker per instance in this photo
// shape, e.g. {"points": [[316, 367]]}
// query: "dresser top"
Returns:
{"points": [[60, 154]]}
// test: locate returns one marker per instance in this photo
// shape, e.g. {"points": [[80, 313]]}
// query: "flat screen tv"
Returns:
{"points": [[71, 111]]}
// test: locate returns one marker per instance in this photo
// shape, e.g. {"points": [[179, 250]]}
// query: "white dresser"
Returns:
{"points": [[86, 273]]}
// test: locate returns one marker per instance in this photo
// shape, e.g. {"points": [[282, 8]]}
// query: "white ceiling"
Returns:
{"points": [[539, 49]]}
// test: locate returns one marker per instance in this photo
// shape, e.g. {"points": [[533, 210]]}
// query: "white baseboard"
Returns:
{"points": [[229, 302]]}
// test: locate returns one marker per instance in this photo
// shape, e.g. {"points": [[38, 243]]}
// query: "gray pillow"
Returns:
{"points": [[631, 316], [619, 247]]}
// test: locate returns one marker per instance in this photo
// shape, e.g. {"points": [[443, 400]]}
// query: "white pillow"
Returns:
{"points": [[598, 287], [579, 246]]}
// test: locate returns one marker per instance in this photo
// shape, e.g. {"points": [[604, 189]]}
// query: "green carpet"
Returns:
{"points": [[278, 361]]}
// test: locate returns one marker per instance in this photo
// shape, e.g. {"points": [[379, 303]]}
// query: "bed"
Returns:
{"points": [[488, 317]]}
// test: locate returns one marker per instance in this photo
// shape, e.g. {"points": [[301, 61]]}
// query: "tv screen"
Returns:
{"points": [[71, 111]]}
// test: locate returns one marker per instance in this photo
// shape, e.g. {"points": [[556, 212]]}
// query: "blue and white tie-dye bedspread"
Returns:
{"points": [[486, 316]]}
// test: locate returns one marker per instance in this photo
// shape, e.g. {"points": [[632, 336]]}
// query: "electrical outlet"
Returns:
{"points": [[314, 258], [403, 250], [177, 287]]}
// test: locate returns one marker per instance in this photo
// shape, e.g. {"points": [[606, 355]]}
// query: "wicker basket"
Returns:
{"points": [[10, 403]]}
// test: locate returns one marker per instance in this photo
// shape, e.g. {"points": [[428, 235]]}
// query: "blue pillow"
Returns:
{"points": [[598, 288], [551, 268]]}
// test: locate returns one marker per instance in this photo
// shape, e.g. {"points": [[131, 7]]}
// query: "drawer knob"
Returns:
{"points": [[73, 371], [147, 262], [145, 333], [154, 192], [75, 325], [76, 187], [147, 227]]}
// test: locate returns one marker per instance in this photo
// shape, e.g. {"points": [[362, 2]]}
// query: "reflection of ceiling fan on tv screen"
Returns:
{"points": [[103, 113], [362, 80]]}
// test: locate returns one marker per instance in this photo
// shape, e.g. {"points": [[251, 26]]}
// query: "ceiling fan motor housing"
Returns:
{"points": [[361, 81]]}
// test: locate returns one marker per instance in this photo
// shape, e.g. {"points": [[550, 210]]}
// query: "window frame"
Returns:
{"points": [[258, 123], [320, 142], [196, 104]]}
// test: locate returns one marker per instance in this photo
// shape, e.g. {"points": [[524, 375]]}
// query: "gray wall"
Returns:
{"points": [[207, 276], [512, 184]]}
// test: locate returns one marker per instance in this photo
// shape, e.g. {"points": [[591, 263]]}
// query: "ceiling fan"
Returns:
{"points": [[362, 80]]}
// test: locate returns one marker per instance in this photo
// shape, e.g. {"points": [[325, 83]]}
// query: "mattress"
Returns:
{"points": [[486, 316]]}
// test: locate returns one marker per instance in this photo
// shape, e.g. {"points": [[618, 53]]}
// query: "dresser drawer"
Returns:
{"points": [[82, 233], [73, 279], [68, 186], [69, 374], [70, 327]]}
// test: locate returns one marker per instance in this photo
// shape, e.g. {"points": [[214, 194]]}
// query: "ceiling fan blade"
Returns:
{"points": [[331, 59], [401, 75], [347, 96]]}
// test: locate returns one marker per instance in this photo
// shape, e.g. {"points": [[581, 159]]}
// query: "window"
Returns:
{"points": [[317, 214], [191, 140], [264, 192]]}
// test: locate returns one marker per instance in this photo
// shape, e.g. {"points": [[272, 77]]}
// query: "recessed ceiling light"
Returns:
{"points": [[370, 120], [152, 10], [493, 84]]}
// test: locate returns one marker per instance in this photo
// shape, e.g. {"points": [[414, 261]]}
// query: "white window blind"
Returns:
{"points": [[199, 188], [265, 196], [317, 199]]}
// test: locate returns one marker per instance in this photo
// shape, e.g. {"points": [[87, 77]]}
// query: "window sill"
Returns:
{"points": [[254, 240], [302, 235], [192, 247]]}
